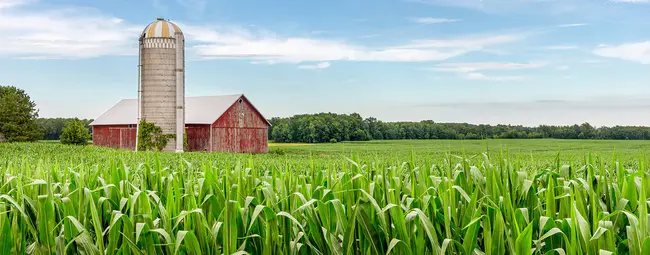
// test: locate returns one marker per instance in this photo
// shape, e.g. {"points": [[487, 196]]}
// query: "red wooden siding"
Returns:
{"points": [[115, 136], [240, 129], [198, 137]]}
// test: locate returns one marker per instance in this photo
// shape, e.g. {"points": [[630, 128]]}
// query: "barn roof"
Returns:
{"points": [[198, 110]]}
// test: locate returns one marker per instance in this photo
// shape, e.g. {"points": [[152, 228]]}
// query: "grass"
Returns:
{"points": [[400, 197]]}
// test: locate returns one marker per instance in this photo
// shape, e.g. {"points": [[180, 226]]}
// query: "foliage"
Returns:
{"points": [[154, 139], [53, 127], [150, 137], [323, 127], [185, 146], [75, 133], [17, 116], [88, 200]]}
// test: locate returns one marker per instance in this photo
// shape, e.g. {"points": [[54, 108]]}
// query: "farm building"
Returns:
{"points": [[228, 123]]}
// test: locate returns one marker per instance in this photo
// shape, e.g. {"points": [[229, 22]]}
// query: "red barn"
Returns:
{"points": [[227, 123]]}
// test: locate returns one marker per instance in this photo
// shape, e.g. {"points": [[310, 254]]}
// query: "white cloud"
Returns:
{"points": [[429, 20], [85, 32], [562, 68], [469, 42], [561, 47], [12, 3], [573, 25], [267, 46], [369, 36], [321, 65], [470, 70], [71, 32], [637, 52], [483, 77], [482, 66]]}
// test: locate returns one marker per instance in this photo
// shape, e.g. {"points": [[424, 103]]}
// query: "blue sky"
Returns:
{"points": [[524, 62]]}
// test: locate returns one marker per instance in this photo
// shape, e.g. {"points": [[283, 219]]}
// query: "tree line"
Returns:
{"points": [[19, 121], [52, 128], [332, 127]]}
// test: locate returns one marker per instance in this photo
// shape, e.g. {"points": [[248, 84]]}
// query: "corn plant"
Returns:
{"points": [[82, 200]]}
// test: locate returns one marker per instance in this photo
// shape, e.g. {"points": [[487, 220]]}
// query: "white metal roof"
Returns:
{"points": [[198, 110]]}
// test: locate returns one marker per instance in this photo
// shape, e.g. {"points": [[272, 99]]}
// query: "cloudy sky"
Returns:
{"points": [[524, 62]]}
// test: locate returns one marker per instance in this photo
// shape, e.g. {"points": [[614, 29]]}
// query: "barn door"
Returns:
{"points": [[114, 136], [125, 139]]}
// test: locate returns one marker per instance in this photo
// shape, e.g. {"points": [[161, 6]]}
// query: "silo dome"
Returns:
{"points": [[161, 28]]}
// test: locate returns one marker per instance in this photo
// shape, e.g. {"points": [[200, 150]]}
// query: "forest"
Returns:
{"points": [[332, 127]]}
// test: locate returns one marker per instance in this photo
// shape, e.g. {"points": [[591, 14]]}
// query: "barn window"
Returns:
{"points": [[240, 100], [130, 125]]}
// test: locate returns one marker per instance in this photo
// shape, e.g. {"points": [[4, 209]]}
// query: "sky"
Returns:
{"points": [[520, 62]]}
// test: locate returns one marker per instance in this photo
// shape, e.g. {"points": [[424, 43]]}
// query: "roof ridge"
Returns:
{"points": [[204, 109]]}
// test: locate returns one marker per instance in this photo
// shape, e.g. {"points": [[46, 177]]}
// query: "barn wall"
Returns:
{"points": [[250, 140], [240, 129], [115, 136], [198, 137]]}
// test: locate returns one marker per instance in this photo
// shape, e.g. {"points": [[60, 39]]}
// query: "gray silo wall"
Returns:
{"points": [[159, 85]]}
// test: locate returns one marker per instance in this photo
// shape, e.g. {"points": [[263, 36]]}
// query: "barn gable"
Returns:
{"points": [[242, 113]]}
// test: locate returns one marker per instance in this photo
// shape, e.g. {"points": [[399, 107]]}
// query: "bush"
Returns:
{"points": [[150, 137], [75, 133], [277, 151]]}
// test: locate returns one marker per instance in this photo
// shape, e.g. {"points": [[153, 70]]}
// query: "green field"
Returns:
{"points": [[384, 197], [531, 153]]}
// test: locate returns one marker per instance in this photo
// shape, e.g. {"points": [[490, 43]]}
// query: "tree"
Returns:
{"points": [[53, 127], [75, 133], [18, 116], [150, 137]]}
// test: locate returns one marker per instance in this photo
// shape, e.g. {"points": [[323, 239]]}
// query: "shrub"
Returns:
{"points": [[75, 133], [278, 151], [150, 137]]}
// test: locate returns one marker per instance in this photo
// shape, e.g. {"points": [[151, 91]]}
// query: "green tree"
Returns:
{"points": [[75, 133], [150, 137], [53, 127], [18, 116]]}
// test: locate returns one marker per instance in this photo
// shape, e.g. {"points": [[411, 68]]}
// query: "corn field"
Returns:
{"points": [[83, 200]]}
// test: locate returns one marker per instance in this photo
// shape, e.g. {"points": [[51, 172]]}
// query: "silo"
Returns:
{"points": [[161, 89]]}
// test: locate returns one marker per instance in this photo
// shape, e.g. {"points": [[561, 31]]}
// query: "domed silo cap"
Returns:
{"points": [[161, 28]]}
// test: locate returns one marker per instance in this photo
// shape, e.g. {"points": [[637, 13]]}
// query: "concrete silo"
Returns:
{"points": [[161, 89]]}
